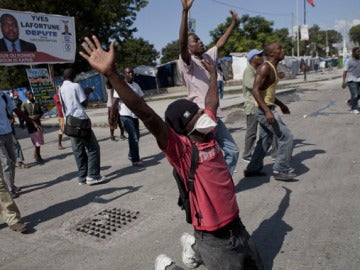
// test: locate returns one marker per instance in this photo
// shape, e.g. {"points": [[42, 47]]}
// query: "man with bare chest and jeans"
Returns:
{"points": [[270, 122]]}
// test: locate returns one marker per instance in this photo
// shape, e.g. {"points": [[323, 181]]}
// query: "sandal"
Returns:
{"points": [[22, 165]]}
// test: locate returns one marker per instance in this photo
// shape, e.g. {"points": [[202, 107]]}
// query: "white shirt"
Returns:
{"points": [[197, 79], [123, 109], [352, 67], [71, 97]]}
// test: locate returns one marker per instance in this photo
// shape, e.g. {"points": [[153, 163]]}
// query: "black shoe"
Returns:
{"points": [[253, 173], [14, 194], [113, 138], [40, 160], [19, 227]]}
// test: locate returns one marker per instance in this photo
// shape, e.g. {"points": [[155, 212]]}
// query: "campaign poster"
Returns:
{"points": [[29, 38], [42, 87]]}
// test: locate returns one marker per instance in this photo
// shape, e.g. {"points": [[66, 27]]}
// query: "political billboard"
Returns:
{"points": [[29, 38]]}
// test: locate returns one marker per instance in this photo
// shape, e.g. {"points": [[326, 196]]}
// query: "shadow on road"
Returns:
{"points": [[60, 209], [298, 159], [270, 235]]}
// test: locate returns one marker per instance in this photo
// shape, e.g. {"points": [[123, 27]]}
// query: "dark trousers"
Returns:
{"points": [[131, 125], [230, 248]]}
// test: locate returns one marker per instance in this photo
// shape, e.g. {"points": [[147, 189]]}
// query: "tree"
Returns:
{"points": [[354, 34], [319, 40], [170, 52], [13, 77], [254, 32], [134, 52], [108, 19]]}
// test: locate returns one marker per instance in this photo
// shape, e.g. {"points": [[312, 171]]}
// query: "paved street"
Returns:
{"points": [[311, 223]]}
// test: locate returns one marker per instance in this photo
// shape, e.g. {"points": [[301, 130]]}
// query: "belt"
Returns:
{"points": [[271, 107], [229, 230]]}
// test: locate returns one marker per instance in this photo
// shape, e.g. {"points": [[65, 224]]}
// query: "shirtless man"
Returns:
{"points": [[269, 120]]}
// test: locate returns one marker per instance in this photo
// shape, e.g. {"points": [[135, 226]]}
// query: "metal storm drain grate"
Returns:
{"points": [[107, 222]]}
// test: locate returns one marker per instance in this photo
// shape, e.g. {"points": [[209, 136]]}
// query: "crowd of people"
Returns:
{"points": [[220, 240]]}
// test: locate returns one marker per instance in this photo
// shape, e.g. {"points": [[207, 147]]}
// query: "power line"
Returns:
{"points": [[251, 11]]}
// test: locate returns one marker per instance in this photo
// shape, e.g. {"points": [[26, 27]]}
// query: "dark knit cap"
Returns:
{"points": [[179, 113]]}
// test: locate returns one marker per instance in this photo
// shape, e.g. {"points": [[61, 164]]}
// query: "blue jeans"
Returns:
{"points": [[266, 134], [131, 125], [220, 85], [354, 88], [228, 145], [87, 156]]}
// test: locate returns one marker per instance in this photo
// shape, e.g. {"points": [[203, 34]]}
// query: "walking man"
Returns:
{"points": [[255, 59], [270, 122], [351, 78], [86, 150], [128, 119]]}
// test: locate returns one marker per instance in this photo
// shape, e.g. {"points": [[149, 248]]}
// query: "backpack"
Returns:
{"points": [[184, 199]]}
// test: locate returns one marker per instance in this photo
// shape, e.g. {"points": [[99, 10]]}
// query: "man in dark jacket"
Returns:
{"points": [[10, 41]]}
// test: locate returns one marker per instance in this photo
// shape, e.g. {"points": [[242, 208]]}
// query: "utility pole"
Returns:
{"points": [[297, 29], [327, 45], [305, 43]]}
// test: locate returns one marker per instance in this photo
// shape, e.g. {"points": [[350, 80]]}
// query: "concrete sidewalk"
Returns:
{"points": [[233, 97]]}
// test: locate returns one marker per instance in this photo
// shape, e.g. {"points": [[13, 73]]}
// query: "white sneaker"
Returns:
{"points": [[162, 261], [92, 181], [188, 254], [355, 111]]}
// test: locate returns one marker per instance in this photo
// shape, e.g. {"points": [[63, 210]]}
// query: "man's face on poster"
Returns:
{"points": [[9, 27]]}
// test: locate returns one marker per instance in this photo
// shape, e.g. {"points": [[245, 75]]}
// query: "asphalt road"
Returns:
{"points": [[312, 223]]}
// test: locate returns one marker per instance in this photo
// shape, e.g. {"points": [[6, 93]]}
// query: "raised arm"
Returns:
{"points": [[234, 23], [104, 62], [183, 33], [212, 96]]}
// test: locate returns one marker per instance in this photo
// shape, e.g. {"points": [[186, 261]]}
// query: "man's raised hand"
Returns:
{"points": [[100, 60], [235, 17], [187, 4]]}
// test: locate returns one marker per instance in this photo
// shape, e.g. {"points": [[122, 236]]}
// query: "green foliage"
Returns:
{"points": [[318, 40], [253, 32], [13, 77], [170, 52], [354, 34], [135, 52]]}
